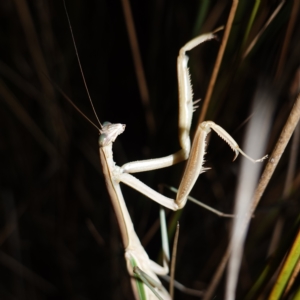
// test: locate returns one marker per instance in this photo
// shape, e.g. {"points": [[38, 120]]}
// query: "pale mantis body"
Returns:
{"points": [[136, 257], [114, 174]]}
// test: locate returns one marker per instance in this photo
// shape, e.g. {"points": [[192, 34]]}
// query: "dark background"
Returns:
{"points": [[59, 237]]}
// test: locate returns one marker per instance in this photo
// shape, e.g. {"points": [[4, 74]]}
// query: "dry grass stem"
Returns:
{"points": [[282, 142], [218, 61], [173, 262], [274, 14], [138, 64]]}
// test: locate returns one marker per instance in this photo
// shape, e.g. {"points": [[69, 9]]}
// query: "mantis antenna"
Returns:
{"points": [[81, 71]]}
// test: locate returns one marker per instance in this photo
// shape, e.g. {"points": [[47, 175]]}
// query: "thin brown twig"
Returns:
{"points": [[27, 121], [279, 148], [24, 272], [274, 14], [284, 138], [287, 39], [33, 45], [217, 276], [173, 262], [93, 230], [49, 105], [12, 222], [139, 69], [288, 184], [27, 87], [218, 61]]}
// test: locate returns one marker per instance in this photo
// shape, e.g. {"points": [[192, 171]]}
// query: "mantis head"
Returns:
{"points": [[109, 133]]}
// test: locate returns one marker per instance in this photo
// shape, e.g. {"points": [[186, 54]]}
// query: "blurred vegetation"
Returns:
{"points": [[58, 234]]}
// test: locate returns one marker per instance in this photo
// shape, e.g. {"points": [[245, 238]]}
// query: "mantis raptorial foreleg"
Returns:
{"points": [[193, 168], [196, 156]]}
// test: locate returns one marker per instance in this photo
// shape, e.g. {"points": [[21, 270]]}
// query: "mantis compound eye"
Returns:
{"points": [[102, 139], [106, 123]]}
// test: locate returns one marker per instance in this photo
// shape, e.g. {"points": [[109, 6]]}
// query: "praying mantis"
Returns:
{"points": [[143, 271]]}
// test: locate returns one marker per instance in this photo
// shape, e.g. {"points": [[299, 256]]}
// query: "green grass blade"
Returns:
{"points": [[287, 270]]}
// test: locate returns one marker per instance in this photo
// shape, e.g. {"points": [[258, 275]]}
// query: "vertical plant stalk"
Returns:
{"points": [[254, 144], [284, 138], [288, 185], [294, 274], [218, 61], [49, 105], [272, 17], [25, 119], [280, 146], [139, 69], [173, 262], [33, 44], [287, 39], [286, 271], [26, 273], [251, 21]]}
